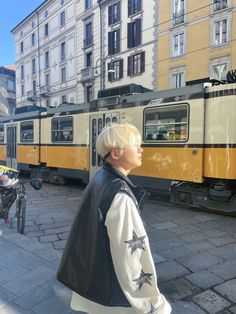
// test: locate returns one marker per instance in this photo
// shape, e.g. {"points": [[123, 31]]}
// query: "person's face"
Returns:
{"points": [[131, 157]]}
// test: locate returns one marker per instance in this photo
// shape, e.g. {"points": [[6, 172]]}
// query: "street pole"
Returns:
{"points": [[101, 46]]}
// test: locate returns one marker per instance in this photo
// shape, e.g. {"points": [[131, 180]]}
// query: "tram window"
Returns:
{"points": [[1, 133], [108, 120], [100, 126], [94, 133], [27, 131], [168, 123], [62, 129]]}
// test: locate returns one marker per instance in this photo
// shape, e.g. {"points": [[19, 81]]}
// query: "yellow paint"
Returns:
{"points": [[3, 152], [172, 163], [28, 154], [220, 163], [184, 164], [66, 157], [199, 51]]}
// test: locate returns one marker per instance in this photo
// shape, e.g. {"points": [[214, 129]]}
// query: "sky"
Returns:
{"points": [[12, 13]]}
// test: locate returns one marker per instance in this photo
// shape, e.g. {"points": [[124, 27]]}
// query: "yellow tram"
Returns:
{"points": [[188, 137]]}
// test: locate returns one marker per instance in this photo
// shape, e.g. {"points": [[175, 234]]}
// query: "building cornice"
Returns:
{"points": [[7, 71], [28, 16], [101, 2]]}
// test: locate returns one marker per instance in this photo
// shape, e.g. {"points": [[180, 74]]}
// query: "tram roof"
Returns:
{"points": [[20, 116]]}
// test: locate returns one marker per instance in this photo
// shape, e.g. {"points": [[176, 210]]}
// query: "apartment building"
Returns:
{"points": [[88, 49], [196, 39], [7, 90], [117, 45], [68, 50], [45, 43]]}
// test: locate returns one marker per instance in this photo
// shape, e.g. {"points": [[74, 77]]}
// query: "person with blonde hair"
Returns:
{"points": [[107, 260]]}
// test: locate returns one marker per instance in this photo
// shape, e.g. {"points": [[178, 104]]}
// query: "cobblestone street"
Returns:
{"points": [[194, 253]]}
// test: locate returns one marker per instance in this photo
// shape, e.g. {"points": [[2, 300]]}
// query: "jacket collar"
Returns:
{"points": [[115, 171], [140, 193]]}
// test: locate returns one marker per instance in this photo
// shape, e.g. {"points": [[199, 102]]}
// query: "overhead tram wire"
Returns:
{"points": [[124, 38], [158, 61]]}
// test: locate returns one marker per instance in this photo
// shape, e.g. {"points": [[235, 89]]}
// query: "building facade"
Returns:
{"points": [[117, 45], [196, 39], [69, 50], [7, 90], [88, 49], [45, 44]]}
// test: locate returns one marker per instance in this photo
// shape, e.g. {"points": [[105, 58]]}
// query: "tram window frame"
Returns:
{"points": [[2, 137], [173, 126], [27, 136], [60, 139]]}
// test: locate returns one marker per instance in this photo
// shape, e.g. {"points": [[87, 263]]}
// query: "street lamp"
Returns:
{"points": [[96, 74], [96, 66], [102, 71]]}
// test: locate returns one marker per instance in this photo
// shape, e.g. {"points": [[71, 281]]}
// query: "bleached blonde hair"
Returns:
{"points": [[117, 136]]}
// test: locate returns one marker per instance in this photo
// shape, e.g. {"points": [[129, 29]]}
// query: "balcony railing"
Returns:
{"points": [[32, 95], [45, 91], [178, 17], [220, 5], [86, 74]]}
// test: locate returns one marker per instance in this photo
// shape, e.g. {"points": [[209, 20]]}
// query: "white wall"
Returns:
{"points": [[52, 43]]}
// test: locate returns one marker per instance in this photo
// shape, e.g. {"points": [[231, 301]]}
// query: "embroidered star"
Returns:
{"points": [[136, 243], [144, 278], [152, 309]]}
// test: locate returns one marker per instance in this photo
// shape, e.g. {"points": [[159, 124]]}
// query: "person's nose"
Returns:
{"points": [[140, 150]]}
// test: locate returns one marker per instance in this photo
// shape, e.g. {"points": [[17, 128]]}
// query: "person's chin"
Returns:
{"points": [[139, 163]]}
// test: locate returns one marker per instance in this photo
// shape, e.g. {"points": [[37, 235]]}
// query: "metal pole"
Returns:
{"points": [[103, 72], [101, 47], [39, 66]]}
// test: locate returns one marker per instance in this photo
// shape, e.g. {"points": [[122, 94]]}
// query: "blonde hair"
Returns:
{"points": [[117, 136]]}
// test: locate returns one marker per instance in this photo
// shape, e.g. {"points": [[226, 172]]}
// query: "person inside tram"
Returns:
{"points": [[162, 134], [107, 260], [149, 136]]}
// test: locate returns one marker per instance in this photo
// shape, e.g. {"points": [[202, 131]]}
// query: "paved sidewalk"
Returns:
{"points": [[194, 253]]}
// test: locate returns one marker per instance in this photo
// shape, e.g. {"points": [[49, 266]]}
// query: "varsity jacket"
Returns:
{"points": [[88, 265]]}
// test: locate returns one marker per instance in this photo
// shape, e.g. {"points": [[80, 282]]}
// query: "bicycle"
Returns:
{"points": [[11, 190]]}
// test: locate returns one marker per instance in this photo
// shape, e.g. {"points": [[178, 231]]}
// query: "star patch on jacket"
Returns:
{"points": [[144, 278], [136, 243], [152, 309]]}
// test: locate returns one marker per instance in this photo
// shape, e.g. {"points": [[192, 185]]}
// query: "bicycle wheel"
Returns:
{"points": [[20, 214]]}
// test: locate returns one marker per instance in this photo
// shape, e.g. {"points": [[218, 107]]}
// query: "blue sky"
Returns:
{"points": [[12, 13]]}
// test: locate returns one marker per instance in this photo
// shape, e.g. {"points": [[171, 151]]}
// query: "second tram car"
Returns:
{"points": [[188, 137]]}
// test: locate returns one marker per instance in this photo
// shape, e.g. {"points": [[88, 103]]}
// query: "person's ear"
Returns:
{"points": [[114, 153]]}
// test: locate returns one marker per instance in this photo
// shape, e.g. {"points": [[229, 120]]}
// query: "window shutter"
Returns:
{"points": [[138, 32], [110, 15], [142, 69], [118, 12], [139, 5], [121, 69], [118, 41], [130, 35], [110, 75], [130, 7], [110, 46], [129, 70]]}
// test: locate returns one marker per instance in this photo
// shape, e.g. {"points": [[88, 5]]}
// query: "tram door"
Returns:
{"points": [[97, 122], [11, 146]]}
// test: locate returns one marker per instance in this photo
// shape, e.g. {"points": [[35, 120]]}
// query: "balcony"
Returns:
{"points": [[220, 5], [178, 17], [45, 91], [32, 95], [86, 74]]}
